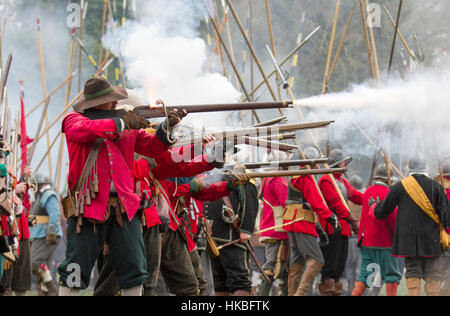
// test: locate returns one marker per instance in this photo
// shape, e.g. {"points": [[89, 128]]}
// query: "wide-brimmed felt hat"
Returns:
{"points": [[98, 91]]}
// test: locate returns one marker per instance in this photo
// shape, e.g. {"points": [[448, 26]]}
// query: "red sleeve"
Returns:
{"points": [[332, 197], [213, 192], [80, 129], [279, 189], [149, 145], [312, 196], [141, 170], [167, 168], [353, 195]]}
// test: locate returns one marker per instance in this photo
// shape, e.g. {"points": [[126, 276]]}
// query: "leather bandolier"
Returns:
{"points": [[296, 207]]}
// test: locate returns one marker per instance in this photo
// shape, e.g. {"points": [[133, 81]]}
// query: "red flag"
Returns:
{"points": [[24, 139]]}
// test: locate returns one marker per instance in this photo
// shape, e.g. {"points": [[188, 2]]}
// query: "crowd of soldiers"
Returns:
{"points": [[151, 224]]}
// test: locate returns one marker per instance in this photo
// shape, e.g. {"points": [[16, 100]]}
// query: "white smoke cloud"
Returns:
{"points": [[164, 57]]}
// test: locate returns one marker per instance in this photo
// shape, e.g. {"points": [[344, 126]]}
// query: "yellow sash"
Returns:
{"points": [[419, 197]]}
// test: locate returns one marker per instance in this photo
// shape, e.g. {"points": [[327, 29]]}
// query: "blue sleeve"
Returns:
{"points": [[53, 210]]}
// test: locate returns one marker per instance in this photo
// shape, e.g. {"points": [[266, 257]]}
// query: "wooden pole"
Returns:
{"points": [[252, 50], [44, 90], [413, 56], [272, 41], [105, 10], [62, 138], [366, 37], [51, 94], [330, 48], [48, 151], [395, 36], [341, 44], [38, 131], [374, 48]]}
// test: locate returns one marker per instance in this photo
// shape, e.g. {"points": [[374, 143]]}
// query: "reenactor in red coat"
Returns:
{"points": [[375, 239], [305, 201], [336, 251]]}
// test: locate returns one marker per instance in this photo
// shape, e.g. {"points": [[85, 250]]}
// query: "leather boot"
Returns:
{"points": [[327, 288], [432, 287], [391, 289], [294, 278], [414, 286], [339, 288], [313, 267], [359, 289], [283, 284], [241, 293]]}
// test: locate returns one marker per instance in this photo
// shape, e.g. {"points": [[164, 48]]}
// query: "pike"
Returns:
{"points": [[259, 131], [156, 112], [4, 78], [38, 131], [291, 163], [284, 82]]}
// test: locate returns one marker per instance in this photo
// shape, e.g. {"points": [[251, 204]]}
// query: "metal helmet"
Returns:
{"points": [[356, 182], [41, 179], [417, 164], [446, 167], [336, 157], [311, 152]]}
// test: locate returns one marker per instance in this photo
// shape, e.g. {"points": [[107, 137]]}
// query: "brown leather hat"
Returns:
{"points": [[98, 91]]}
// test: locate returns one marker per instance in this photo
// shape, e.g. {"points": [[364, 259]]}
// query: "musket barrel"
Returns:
{"points": [[155, 112], [291, 163], [293, 173]]}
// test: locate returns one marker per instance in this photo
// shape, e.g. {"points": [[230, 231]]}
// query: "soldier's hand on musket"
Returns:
{"points": [[244, 237], [175, 117], [21, 188], [240, 179], [334, 221], [208, 139], [18, 203], [135, 122]]}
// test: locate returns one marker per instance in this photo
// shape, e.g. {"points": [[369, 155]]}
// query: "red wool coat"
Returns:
{"points": [[335, 204], [115, 162], [275, 191], [375, 232], [306, 185]]}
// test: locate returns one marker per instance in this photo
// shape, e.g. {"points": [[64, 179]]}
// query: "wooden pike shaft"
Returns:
{"points": [[62, 139], [216, 42], [50, 94], [48, 151], [251, 48], [38, 131], [374, 48], [105, 10], [395, 36], [272, 41], [366, 37], [261, 232], [341, 44], [285, 60], [330, 48], [399, 33], [44, 94]]}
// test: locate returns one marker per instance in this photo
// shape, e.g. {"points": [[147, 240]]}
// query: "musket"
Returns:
{"points": [[293, 173], [272, 122], [264, 143], [291, 163], [156, 112], [280, 137], [252, 132]]}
